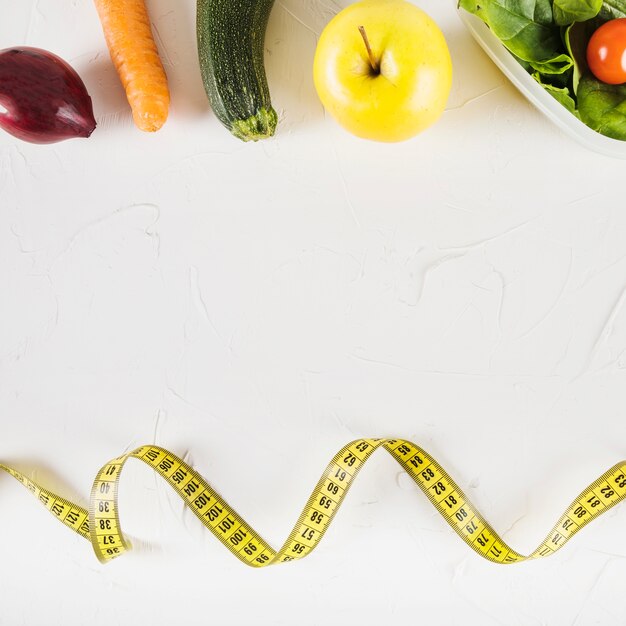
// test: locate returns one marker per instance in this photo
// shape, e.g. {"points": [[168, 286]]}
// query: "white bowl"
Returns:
{"points": [[567, 122]]}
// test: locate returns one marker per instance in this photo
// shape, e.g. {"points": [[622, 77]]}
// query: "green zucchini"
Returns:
{"points": [[231, 36]]}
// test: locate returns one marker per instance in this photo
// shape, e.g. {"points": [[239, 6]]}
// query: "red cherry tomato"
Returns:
{"points": [[606, 52]]}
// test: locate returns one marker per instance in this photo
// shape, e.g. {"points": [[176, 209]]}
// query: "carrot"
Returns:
{"points": [[128, 34]]}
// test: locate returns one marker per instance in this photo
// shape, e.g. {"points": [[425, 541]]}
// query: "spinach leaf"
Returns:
{"points": [[558, 65], [562, 94], [613, 9], [602, 107], [576, 47], [570, 11], [525, 27]]}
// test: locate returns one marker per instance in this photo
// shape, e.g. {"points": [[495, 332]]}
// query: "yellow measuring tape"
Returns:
{"points": [[101, 523]]}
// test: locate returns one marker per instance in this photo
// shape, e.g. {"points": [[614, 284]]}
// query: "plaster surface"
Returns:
{"points": [[255, 307]]}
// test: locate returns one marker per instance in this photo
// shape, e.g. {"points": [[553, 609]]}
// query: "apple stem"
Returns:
{"points": [[373, 61]]}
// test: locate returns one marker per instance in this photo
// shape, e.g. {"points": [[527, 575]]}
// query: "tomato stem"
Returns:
{"points": [[373, 61]]}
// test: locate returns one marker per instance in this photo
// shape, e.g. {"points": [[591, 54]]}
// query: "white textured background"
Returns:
{"points": [[255, 307]]}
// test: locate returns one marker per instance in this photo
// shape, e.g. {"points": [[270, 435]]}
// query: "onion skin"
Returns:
{"points": [[45, 99]]}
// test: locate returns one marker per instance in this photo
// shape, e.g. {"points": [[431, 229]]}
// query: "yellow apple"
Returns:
{"points": [[382, 69]]}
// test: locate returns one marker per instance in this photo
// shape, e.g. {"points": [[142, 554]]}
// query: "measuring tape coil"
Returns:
{"points": [[100, 524]]}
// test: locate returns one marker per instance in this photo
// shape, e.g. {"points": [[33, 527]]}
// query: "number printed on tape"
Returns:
{"points": [[101, 524]]}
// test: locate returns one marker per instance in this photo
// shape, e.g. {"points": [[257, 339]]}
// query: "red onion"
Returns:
{"points": [[43, 98]]}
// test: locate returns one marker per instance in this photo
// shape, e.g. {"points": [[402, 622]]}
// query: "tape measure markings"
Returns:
{"points": [[100, 524], [72, 515], [206, 504]]}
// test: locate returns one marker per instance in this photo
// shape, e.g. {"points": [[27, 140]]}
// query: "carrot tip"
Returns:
{"points": [[150, 121]]}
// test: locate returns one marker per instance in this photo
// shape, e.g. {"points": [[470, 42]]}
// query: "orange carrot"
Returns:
{"points": [[128, 34]]}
